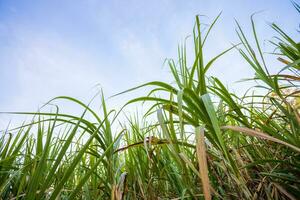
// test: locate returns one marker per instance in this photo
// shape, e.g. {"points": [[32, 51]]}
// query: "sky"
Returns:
{"points": [[73, 48]]}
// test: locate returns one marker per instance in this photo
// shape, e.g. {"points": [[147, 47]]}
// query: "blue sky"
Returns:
{"points": [[67, 47]]}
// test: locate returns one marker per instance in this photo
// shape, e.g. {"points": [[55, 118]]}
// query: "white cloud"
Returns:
{"points": [[134, 38], [45, 66]]}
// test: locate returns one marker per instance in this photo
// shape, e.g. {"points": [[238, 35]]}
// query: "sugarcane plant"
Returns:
{"points": [[196, 140]]}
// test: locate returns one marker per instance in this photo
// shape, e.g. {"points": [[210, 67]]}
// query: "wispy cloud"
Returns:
{"points": [[56, 48]]}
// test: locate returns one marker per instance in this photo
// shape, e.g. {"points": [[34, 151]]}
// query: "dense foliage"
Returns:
{"points": [[208, 143]]}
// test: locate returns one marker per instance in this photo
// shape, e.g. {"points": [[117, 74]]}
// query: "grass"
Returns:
{"points": [[207, 142]]}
